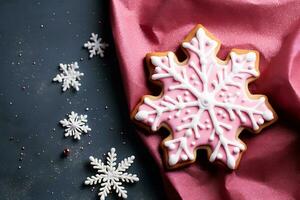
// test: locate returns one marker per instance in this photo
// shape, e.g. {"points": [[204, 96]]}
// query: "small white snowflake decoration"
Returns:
{"points": [[111, 176], [75, 125], [69, 76], [95, 46]]}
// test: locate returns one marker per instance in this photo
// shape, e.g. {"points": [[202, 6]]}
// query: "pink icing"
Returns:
{"points": [[205, 101]]}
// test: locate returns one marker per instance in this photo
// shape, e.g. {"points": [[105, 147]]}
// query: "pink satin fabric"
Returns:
{"points": [[270, 168]]}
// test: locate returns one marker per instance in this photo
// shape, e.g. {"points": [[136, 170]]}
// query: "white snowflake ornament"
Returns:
{"points": [[75, 125], [95, 46], [69, 76], [111, 176], [205, 102]]}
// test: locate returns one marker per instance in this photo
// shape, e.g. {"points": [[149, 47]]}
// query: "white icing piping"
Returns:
{"points": [[183, 79], [174, 158], [205, 99]]}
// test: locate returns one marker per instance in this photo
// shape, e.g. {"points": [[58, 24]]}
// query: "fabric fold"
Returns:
{"points": [[270, 167]]}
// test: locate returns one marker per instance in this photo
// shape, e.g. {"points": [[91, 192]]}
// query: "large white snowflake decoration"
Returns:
{"points": [[111, 176], [205, 102], [95, 46], [69, 76], [75, 125]]}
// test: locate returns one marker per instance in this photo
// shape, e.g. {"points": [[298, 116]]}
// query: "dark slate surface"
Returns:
{"points": [[35, 36]]}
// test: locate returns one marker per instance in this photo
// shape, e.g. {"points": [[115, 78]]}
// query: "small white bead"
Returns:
{"points": [[201, 126], [188, 133], [171, 146], [236, 150], [141, 115], [187, 99], [219, 156], [157, 69], [251, 57], [151, 120], [268, 115], [260, 121], [184, 157]]}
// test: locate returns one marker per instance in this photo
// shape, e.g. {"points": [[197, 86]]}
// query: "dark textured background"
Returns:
{"points": [[35, 36]]}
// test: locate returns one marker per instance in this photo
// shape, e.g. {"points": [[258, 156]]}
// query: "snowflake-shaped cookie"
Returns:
{"points": [[205, 102], [75, 125], [69, 76], [95, 46], [111, 176]]}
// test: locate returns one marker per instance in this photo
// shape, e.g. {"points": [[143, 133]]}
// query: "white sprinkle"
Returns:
{"points": [[219, 156], [236, 150], [157, 69], [171, 146], [187, 99], [251, 57], [184, 157], [188, 133], [260, 121], [151, 120]]}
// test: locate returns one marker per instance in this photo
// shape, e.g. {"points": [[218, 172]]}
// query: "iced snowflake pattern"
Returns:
{"points": [[69, 76], [95, 46], [75, 125], [205, 101], [111, 176]]}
